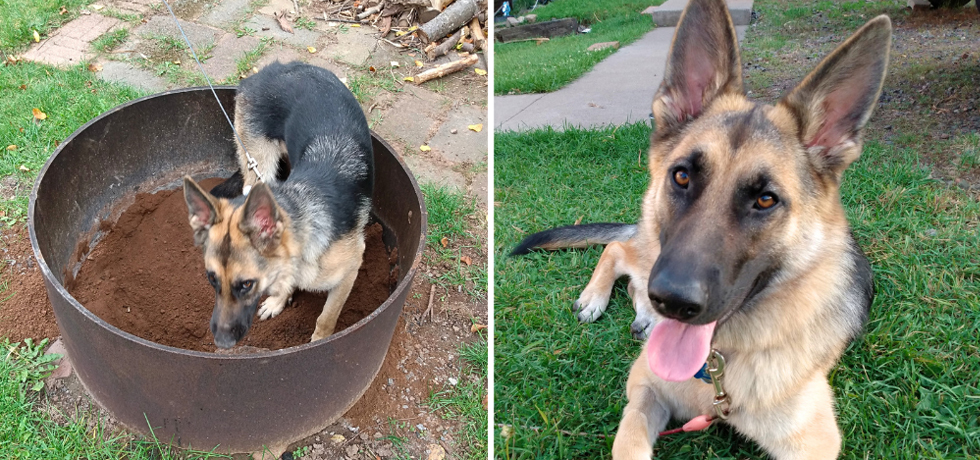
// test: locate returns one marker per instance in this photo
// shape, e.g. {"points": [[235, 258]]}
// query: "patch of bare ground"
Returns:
{"points": [[930, 101]]}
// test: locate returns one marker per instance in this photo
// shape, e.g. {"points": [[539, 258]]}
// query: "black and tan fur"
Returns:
{"points": [[303, 227], [742, 225]]}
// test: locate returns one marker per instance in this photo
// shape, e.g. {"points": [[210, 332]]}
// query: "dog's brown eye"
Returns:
{"points": [[681, 177], [212, 279], [765, 201], [247, 285]]}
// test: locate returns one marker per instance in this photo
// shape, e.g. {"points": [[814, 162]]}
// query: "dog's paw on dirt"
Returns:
{"points": [[271, 307], [590, 308]]}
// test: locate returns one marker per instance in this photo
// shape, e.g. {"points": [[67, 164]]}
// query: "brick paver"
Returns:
{"points": [[71, 44]]}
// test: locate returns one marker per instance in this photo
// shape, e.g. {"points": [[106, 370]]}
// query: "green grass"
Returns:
{"points": [[28, 434], [526, 67], [451, 216], [68, 97], [464, 401], [110, 40], [19, 19], [905, 389]]}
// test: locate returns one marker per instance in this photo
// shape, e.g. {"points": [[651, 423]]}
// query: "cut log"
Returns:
{"points": [[479, 39], [446, 45], [454, 16], [548, 29], [447, 69]]}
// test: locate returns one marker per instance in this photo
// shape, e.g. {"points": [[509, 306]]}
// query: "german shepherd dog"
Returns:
{"points": [[303, 226], [743, 246]]}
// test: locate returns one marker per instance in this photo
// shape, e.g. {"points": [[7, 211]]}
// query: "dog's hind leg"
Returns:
{"points": [[264, 150], [618, 259], [644, 417]]}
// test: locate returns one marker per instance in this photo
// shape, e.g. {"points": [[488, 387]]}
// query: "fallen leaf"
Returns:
{"points": [[37, 37], [480, 71], [23, 86], [476, 128], [255, 70], [98, 7], [425, 148], [11, 147], [436, 452], [418, 63], [177, 62], [311, 49], [444, 242], [93, 67], [355, 25], [395, 64], [337, 438], [486, 402], [466, 260], [477, 327], [283, 23], [579, 220], [62, 11], [38, 114], [409, 79], [24, 168], [13, 59], [372, 69]]}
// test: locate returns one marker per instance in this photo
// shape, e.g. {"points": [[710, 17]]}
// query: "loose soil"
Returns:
{"points": [[147, 278], [929, 102]]}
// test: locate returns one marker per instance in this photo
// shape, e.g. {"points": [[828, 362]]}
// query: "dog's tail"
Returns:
{"points": [[575, 236]]}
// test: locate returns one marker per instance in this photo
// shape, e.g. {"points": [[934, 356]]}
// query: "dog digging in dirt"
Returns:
{"points": [[742, 268], [302, 225]]}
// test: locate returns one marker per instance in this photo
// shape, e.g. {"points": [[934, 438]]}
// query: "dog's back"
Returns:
{"points": [[326, 137]]}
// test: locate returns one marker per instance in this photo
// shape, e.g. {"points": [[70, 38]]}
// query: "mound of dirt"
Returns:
{"points": [[147, 278]]}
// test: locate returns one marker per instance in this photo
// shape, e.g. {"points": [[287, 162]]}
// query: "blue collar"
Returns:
{"points": [[703, 374]]}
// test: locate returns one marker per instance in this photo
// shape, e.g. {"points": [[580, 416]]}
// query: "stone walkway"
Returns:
{"points": [[617, 90], [232, 41]]}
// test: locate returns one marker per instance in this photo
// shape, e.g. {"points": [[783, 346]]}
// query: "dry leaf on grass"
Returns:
{"points": [[477, 327], [579, 220], [466, 260], [445, 242], [37, 37], [436, 452], [93, 67], [38, 114], [24, 168], [11, 147]]}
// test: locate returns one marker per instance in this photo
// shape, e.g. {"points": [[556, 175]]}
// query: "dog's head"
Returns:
{"points": [[243, 253], [743, 194]]}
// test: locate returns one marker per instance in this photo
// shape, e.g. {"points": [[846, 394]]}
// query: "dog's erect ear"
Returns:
{"points": [[833, 102], [201, 210], [703, 64], [262, 220]]}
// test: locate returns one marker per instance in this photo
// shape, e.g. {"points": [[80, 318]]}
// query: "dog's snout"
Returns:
{"points": [[680, 297], [226, 335]]}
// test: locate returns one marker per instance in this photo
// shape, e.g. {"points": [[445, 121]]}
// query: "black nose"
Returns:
{"points": [[682, 297], [225, 336]]}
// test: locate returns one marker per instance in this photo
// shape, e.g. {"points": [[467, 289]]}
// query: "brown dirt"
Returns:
{"points": [[24, 308], [147, 278], [930, 101]]}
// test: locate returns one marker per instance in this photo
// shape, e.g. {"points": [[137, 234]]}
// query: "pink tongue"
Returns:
{"points": [[676, 350]]}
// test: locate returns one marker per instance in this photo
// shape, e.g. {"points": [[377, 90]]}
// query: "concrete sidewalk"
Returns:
{"points": [[616, 91]]}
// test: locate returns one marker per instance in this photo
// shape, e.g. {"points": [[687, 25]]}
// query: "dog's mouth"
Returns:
{"points": [[677, 350]]}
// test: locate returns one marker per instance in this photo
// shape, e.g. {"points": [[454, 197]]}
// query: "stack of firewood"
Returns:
{"points": [[436, 25]]}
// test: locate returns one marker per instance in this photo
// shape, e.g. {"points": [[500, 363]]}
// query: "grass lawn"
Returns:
{"points": [[526, 67], [907, 388]]}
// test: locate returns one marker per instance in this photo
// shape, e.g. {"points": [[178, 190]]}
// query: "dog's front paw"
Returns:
{"points": [[641, 327], [271, 307], [590, 307]]}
